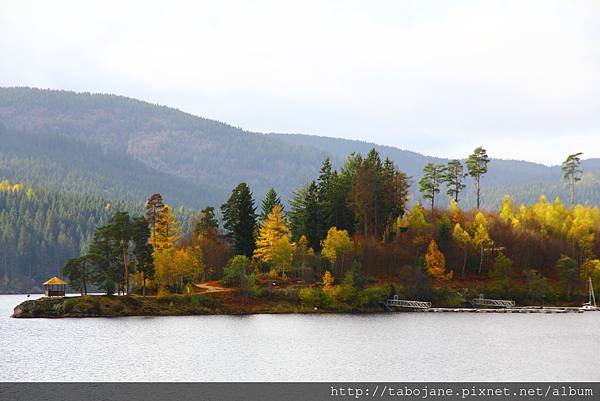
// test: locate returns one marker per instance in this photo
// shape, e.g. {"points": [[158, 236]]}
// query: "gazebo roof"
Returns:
{"points": [[54, 281]]}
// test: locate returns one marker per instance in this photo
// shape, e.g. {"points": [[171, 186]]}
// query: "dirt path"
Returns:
{"points": [[211, 286]]}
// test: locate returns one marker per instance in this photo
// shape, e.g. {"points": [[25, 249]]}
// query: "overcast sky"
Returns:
{"points": [[521, 78]]}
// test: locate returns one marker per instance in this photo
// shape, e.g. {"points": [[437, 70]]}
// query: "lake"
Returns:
{"points": [[382, 347]]}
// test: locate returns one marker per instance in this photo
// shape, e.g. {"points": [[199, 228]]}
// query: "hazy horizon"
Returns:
{"points": [[437, 78]]}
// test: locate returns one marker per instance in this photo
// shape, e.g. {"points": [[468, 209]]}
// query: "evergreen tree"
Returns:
{"points": [[103, 253], [143, 250], [429, 185], [76, 271], [271, 199], [154, 208], [239, 215], [305, 215], [572, 173], [206, 221], [453, 177], [477, 167], [378, 194], [120, 232]]}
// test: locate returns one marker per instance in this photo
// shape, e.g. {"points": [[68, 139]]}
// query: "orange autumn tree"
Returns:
{"points": [[436, 263]]}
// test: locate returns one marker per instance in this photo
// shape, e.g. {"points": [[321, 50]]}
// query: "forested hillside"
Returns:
{"points": [[204, 158], [41, 229], [112, 146]]}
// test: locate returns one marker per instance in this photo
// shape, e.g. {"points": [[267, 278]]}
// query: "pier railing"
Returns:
{"points": [[499, 303], [403, 303]]}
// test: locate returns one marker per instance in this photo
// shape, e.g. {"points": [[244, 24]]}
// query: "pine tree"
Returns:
{"points": [[239, 215], [120, 232], [206, 221], [143, 250], [572, 173], [429, 184], [477, 166], [454, 175], [154, 208], [76, 271]]}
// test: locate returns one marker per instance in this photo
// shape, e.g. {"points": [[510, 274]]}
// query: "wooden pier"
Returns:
{"points": [[501, 306]]}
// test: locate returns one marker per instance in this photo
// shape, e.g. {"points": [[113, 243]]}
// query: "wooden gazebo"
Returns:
{"points": [[54, 287]]}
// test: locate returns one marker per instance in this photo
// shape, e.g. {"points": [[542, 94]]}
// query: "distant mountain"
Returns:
{"points": [[117, 147], [204, 159]]}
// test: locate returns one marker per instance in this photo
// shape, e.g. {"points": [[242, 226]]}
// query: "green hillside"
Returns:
{"points": [[113, 146], [40, 229]]}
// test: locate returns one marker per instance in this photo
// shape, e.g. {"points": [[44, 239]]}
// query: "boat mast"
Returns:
{"points": [[592, 295]]}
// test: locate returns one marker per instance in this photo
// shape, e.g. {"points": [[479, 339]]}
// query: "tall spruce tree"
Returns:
{"points": [[271, 199], [305, 215], [239, 215]]}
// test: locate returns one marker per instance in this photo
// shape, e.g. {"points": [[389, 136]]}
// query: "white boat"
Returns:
{"points": [[591, 304]]}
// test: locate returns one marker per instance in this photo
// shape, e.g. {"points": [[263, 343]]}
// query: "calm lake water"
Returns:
{"points": [[385, 347]]}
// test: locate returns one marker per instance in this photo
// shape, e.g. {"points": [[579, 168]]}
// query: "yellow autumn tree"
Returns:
{"points": [[336, 245], [167, 230], [481, 237], [436, 262], [507, 209], [164, 265], [303, 255], [328, 281], [416, 218], [463, 240], [6, 186], [272, 229], [455, 212], [282, 255], [177, 268]]}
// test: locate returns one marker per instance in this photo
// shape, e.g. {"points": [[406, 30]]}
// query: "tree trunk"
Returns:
{"points": [[126, 289], [481, 260], [84, 277], [478, 191], [143, 283], [464, 263]]}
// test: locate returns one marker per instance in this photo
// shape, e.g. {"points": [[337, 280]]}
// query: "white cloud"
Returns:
{"points": [[435, 77]]}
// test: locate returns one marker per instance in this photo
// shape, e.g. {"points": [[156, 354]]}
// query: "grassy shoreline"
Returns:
{"points": [[169, 305]]}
